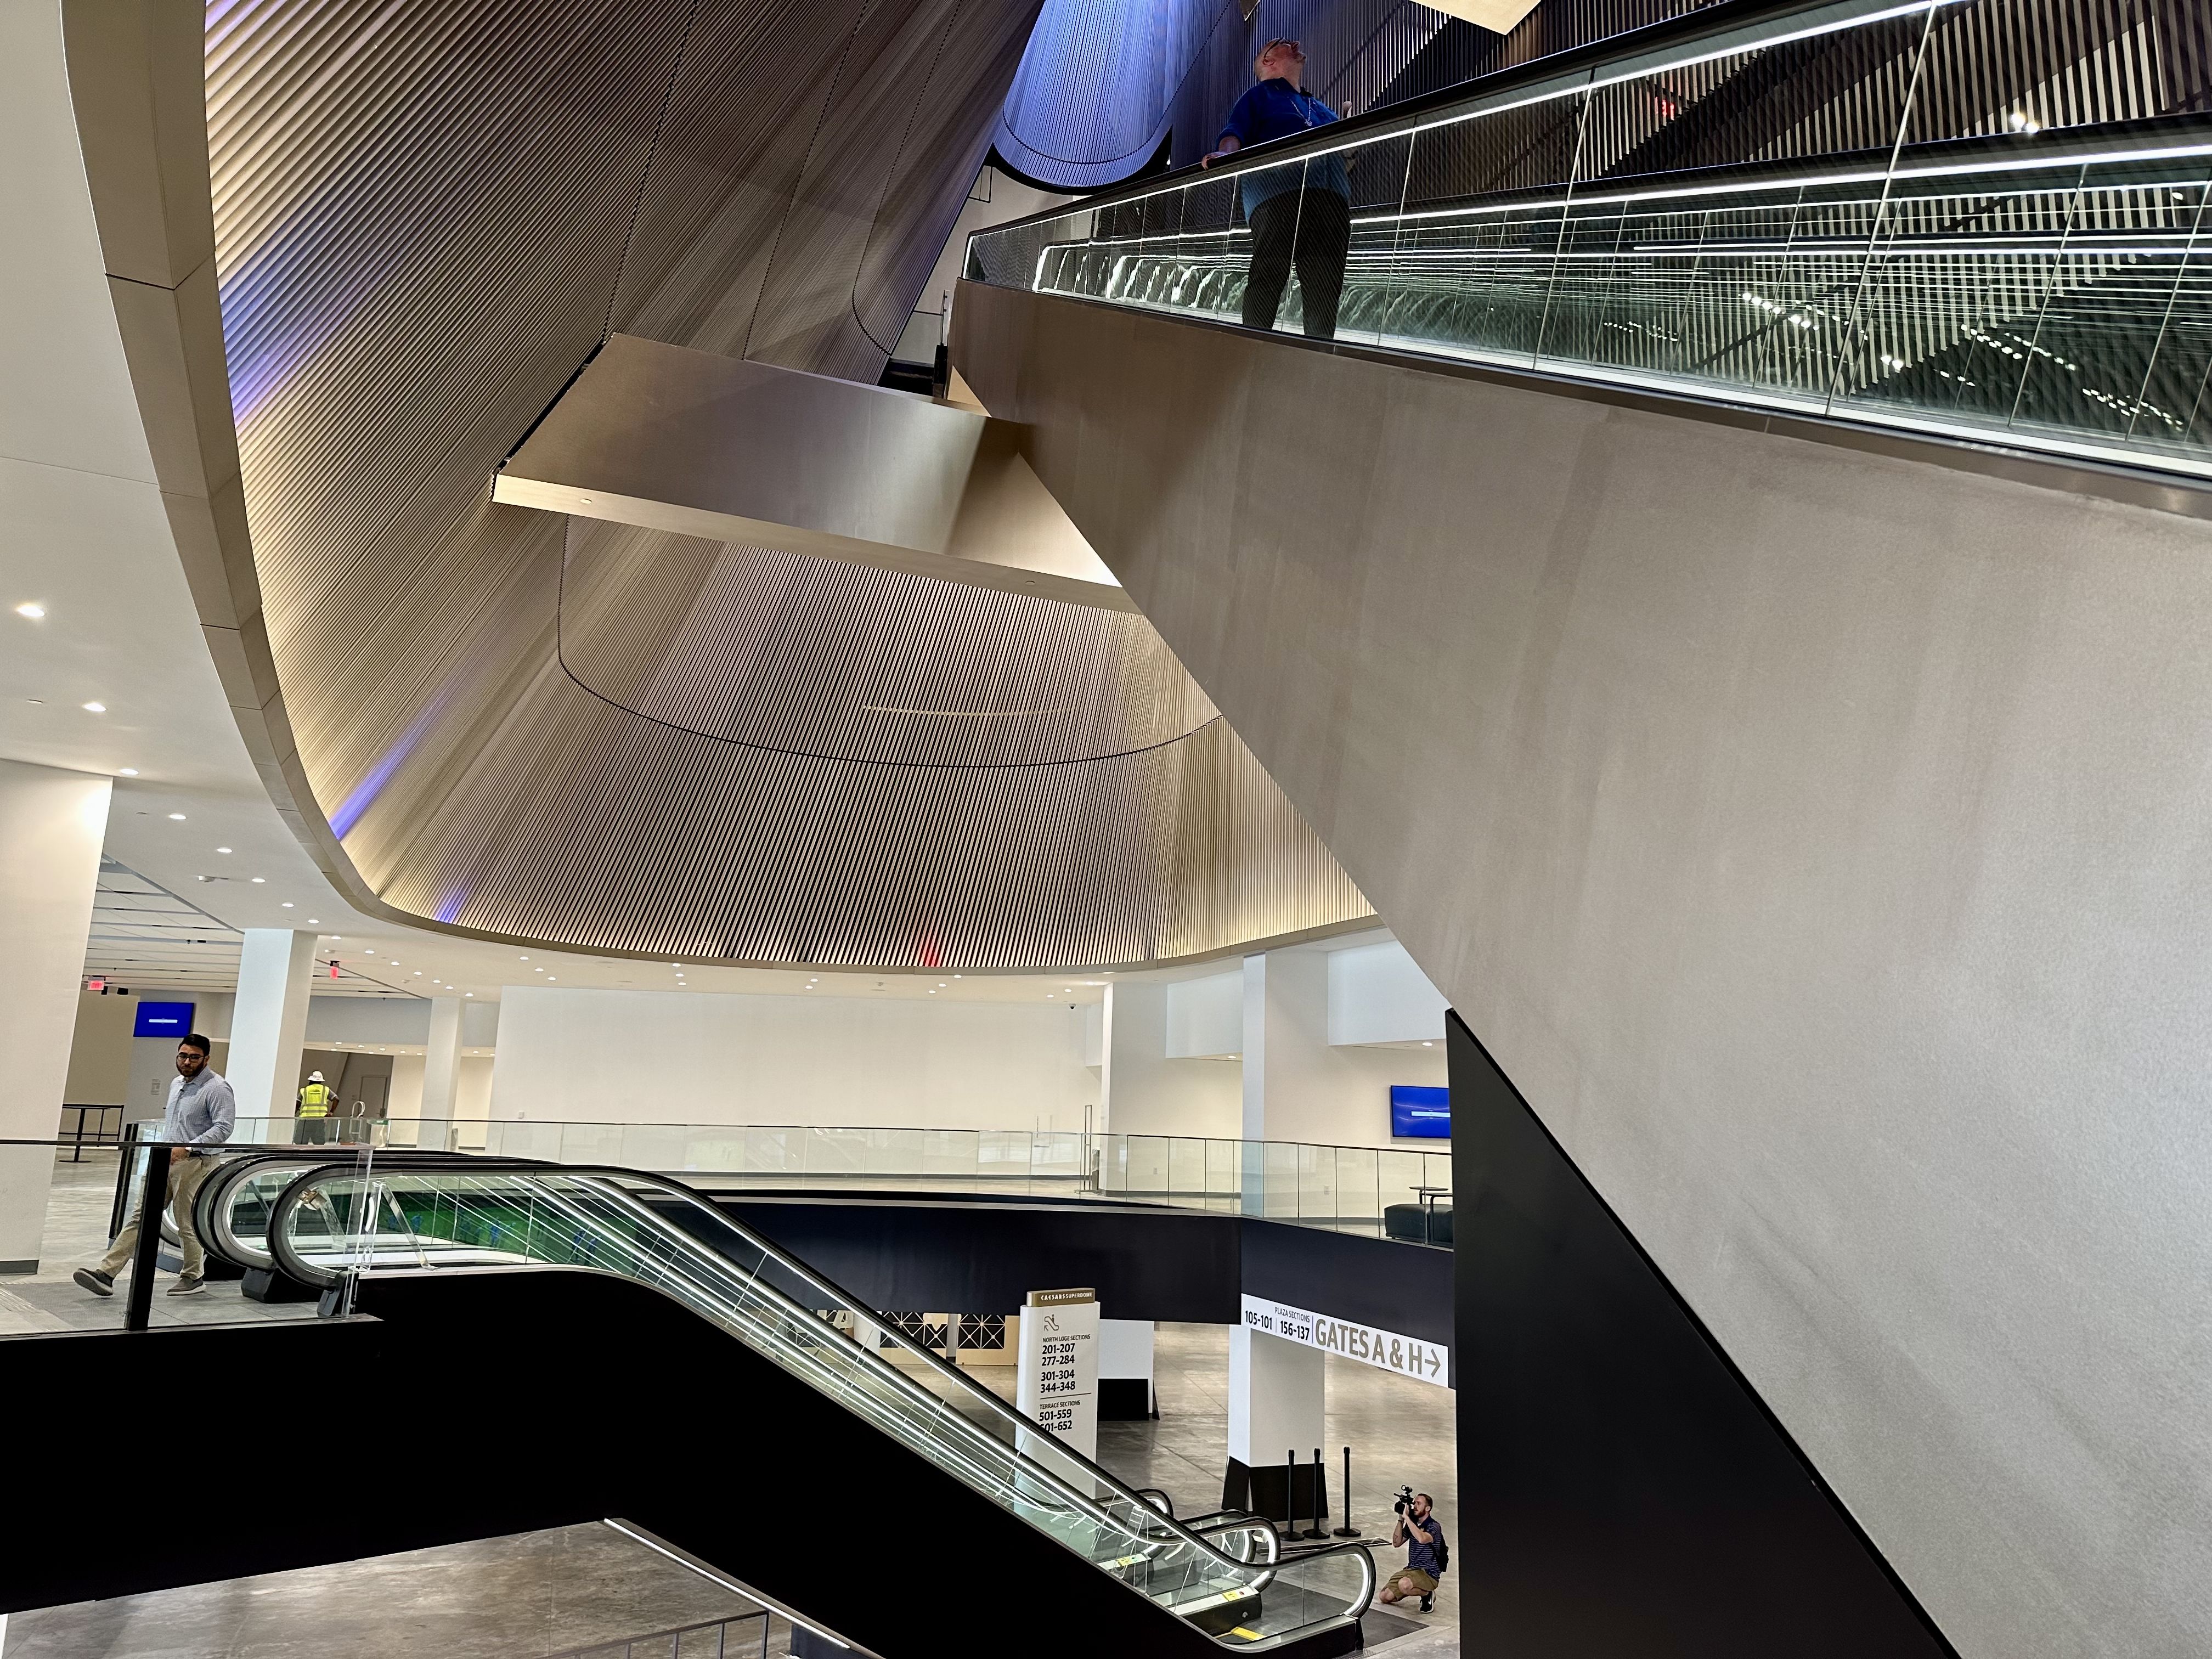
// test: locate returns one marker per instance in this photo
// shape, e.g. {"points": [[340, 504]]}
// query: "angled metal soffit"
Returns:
{"points": [[357, 254]]}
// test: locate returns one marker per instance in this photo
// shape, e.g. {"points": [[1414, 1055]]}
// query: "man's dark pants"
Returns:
{"points": [[1312, 228]]}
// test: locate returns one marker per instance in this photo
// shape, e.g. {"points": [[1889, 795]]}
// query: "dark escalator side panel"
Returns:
{"points": [[638, 1409], [597, 1398], [1623, 1491]]}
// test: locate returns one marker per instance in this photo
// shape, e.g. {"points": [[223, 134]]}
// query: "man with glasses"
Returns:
{"points": [[201, 1114], [1299, 212]]}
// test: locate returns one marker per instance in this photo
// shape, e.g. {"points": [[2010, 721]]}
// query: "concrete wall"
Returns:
{"points": [[1814, 833], [657, 1057]]}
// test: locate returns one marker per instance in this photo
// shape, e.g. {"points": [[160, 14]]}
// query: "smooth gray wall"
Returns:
{"points": [[1818, 838]]}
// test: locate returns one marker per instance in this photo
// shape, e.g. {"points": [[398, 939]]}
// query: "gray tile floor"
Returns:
{"points": [[77, 1210]]}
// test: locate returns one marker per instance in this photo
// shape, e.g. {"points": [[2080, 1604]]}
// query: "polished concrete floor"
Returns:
{"points": [[77, 1210], [564, 1591], [1400, 1433]]}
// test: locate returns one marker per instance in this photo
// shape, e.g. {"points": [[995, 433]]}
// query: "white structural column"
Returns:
{"points": [[1277, 1404], [51, 824], [269, 1025], [441, 1075]]}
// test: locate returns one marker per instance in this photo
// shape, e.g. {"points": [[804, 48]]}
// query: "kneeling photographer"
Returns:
{"points": [[1426, 1554]]}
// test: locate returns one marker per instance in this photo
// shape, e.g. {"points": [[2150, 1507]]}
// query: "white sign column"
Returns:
{"points": [[1277, 1404], [268, 1028], [1057, 1384], [441, 1076], [51, 825]]}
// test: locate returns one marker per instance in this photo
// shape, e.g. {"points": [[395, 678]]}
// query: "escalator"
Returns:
{"points": [[593, 1261]]}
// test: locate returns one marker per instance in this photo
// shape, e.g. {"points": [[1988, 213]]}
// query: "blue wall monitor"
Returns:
{"points": [[1418, 1111], [163, 1019]]}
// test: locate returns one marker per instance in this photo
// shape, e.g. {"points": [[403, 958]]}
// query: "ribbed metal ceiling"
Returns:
{"points": [[428, 215], [817, 657]]}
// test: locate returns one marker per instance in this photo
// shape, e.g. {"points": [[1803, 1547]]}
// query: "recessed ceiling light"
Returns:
{"points": [[314, 921], [1428, 1045], [257, 880], [33, 611], [526, 958], [177, 817], [550, 978], [126, 771], [468, 994], [222, 850], [94, 708], [288, 904]]}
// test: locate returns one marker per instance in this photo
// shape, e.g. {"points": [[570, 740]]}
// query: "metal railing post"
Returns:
{"points": [[153, 1199]]}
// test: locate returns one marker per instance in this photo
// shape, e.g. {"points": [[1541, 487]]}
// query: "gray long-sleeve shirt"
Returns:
{"points": [[202, 1110]]}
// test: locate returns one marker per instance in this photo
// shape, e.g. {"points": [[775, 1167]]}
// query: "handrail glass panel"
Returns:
{"points": [[1844, 210]]}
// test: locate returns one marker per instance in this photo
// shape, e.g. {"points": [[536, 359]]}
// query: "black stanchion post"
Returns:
{"points": [[1347, 1530], [120, 1212], [153, 1199], [1320, 1509], [1291, 1493]]}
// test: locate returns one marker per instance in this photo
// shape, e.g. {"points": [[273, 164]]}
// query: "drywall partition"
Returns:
{"points": [[1378, 993], [1205, 1017], [1156, 1092], [661, 1057], [1811, 825], [1298, 1085]]}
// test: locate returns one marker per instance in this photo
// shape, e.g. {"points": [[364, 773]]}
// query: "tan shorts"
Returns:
{"points": [[1419, 1582]]}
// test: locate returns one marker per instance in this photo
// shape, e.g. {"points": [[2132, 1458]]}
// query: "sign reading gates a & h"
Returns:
{"points": [[1390, 1351]]}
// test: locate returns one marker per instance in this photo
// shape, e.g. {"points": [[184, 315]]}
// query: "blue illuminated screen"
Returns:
{"points": [[1419, 1111], [168, 1019]]}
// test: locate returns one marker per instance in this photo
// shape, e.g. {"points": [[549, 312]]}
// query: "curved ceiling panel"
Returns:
{"points": [[426, 216], [817, 657], [570, 817]]}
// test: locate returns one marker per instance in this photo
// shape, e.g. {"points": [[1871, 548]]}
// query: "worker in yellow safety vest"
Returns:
{"points": [[316, 1099]]}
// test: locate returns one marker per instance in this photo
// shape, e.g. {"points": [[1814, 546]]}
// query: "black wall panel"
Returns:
{"points": [[986, 1257], [1622, 1491]]}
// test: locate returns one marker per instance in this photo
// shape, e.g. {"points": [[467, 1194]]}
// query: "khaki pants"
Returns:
{"points": [[185, 1180]]}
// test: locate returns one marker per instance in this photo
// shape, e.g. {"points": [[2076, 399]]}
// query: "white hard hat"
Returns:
{"points": [[315, 1077]]}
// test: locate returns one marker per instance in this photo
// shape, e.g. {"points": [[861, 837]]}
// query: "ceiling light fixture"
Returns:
{"points": [[177, 818], [287, 904], [94, 708], [222, 850], [314, 921], [33, 611], [126, 771], [259, 880]]}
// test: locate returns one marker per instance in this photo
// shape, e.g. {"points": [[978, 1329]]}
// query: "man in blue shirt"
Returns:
{"points": [[201, 1114], [1299, 211], [1423, 1535]]}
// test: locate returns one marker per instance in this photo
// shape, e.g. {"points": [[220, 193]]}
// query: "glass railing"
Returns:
{"points": [[1852, 210], [333, 1225], [1380, 1191], [1384, 1192]]}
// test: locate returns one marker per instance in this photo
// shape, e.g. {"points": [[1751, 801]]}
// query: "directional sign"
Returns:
{"points": [[1390, 1351]]}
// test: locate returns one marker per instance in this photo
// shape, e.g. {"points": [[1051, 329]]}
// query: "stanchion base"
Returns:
{"points": [[1313, 1532], [1345, 1532]]}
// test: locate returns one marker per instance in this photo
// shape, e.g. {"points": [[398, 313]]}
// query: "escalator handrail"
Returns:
{"points": [[835, 1295], [211, 1204]]}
